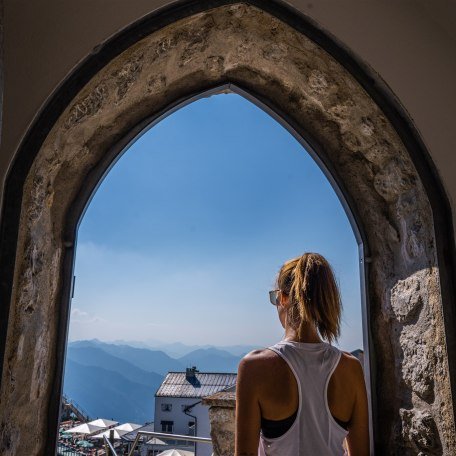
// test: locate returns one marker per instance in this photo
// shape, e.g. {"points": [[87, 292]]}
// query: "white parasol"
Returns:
{"points": [[155, 441], [174, 452], [117, 434], [103, 423], [118, 431], [85, 428], [128, 427]]}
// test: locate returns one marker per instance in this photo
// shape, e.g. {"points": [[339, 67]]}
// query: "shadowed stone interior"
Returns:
{"points": [[242, 45]]}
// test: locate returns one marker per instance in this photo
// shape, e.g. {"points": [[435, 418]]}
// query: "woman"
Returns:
{"points": [[303, 396]]}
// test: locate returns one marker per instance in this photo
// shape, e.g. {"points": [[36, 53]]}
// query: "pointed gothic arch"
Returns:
{"points": [[326, 97]]}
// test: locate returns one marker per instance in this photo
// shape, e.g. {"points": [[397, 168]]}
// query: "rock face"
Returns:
{"points": [[238, 46]]}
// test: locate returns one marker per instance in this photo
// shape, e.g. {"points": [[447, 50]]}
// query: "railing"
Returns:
{"points": [[63, 450], [80, 413], [110, 450]]}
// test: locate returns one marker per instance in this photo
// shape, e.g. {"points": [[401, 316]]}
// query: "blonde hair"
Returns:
{"points": [[309, 282]]}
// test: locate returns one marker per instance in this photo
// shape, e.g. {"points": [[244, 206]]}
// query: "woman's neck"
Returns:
{"points": [[309, 335]]}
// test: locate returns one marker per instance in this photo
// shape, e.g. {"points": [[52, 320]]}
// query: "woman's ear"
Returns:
{"points": [[284, 299]]}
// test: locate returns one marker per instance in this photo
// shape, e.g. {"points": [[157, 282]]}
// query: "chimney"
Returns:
{"points": [[190, 373]]}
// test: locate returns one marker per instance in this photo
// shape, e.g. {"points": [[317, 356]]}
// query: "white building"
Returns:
{"points": [[178, 407]]}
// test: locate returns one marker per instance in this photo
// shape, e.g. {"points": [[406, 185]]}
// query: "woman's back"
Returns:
{"points": [[289, 371], [314, 430]]}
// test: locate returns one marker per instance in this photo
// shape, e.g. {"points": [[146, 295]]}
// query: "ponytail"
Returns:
{"points": [[315, 298]]}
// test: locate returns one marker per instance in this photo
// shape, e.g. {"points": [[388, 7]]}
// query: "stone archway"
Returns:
{"points": [[242, 45]]}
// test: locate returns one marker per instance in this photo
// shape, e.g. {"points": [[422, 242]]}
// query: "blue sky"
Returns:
{"points": [[184, 237]]}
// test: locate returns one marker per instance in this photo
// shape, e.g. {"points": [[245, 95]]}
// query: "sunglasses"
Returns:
{"points": [[274, 297]]}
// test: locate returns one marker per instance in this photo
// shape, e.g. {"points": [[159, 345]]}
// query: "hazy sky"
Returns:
{"points": [[184, 237]]}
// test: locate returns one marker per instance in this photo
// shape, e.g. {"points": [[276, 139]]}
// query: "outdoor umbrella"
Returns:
{"points": [[84, 444], [117, 434], [128, 427], [174, 452], [155, 441], [131, 436], [103, 423], [118, 431], [85, 428]]}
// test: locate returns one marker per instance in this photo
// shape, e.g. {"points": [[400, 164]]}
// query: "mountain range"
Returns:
{"points": [[107, 394], [179, 349], [119, 381]]}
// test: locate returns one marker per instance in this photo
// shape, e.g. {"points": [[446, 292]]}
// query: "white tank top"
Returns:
{"points": [[314, 431]]}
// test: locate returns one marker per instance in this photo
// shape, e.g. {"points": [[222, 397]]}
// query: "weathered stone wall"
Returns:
{"points": [[245, 46], [222, 415]]}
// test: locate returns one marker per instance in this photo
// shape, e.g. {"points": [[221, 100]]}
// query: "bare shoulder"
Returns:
{"points": [[261, 353], [351, 366], [258, 360]]}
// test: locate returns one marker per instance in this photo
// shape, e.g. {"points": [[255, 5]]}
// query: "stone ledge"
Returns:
{"points": [[226, 399], [222, 414]]}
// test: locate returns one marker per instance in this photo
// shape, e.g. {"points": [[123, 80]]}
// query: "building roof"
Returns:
{"points": [[202, 384]]}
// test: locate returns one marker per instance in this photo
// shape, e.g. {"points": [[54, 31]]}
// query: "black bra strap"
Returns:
{"points": [[275, 428]]}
